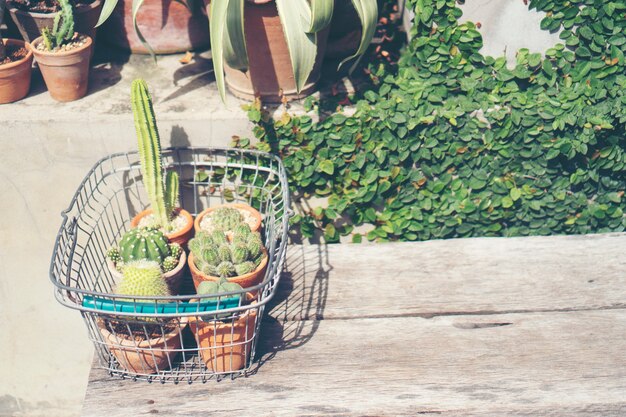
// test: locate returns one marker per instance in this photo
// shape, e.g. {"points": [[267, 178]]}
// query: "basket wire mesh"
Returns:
{"points": [[173, 338]]}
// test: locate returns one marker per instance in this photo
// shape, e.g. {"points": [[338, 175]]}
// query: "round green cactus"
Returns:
{"points": [[143, 278], [225, 269], [226, 218], [245, 268], [224, 253], [146, 243], [239, 253]]}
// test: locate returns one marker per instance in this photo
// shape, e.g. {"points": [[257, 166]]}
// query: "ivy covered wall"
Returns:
{"points": [[449, 143]]}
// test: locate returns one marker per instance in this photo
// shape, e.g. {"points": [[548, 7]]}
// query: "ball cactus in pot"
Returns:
{"points": [[142, 345], [226, 217], [176, 223], [241, 259], [63, 56], [223, 342], [150, 244]]}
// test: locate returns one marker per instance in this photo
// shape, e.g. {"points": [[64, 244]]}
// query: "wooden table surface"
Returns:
{"points": [[532, 326]]}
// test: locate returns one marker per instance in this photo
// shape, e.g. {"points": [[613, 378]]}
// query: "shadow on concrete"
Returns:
{"points": [[106, 67], [198, 73]]}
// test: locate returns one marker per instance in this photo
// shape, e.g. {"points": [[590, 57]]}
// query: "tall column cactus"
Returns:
{"points": [[162, 196]]}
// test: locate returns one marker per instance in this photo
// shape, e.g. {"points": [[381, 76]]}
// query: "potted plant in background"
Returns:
{"points": [[241, 259], [31, 16], [224, 342], [142, 345], [154, 26], [176, 223], [16, 59], [63, 56], [227, 217], [273, 48], [149, 244]]}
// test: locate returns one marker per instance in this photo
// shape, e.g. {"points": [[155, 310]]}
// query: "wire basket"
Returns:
{"points": [[181, 337]]}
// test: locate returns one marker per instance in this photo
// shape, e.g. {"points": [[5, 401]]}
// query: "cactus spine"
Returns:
{"points": [[215, 255], [142, 278], [162, 196], [62, 29], [145, 243]]}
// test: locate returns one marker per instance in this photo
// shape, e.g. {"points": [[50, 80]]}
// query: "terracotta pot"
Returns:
{"points": [[173, 277], [168, 26], [15, 76], [270, 71], [147, 356], [225, 346], [256, 227], [182, 236], [30, 24], [246, 281], [66, 73]]}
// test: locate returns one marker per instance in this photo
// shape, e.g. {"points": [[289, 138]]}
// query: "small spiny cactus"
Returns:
{"points": [[62, 29], [215, 255], [142, 278], [226, 219], [145, 243]]}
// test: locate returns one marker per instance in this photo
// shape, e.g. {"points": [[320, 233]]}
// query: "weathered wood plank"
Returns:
{"points": [[459, 276], [555, 364]]}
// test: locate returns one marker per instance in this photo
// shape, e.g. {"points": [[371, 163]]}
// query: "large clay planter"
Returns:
{"points": [[15, 76], [168, 26], [256, 227], [147, 356], [181, 237], [30, 24], [173, 278], [66, 73], [225, 346], [246, 281], [270, 74]]}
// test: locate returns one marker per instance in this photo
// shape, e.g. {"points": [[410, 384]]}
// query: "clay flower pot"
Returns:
{"points": [[15, 76], [181, 236], [255, 225], [146, 356], [270, 74], [225, 346], [246, 281], [30, 23], [168, 26], [66, 73], [173, 278]]}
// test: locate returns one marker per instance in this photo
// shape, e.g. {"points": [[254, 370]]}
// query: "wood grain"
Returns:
{"points": [[459, 276], [514, 364]]}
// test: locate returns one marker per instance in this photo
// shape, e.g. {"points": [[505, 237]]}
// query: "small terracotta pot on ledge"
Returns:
{"points": [[173, 278], [182, 236], [66, 73], [15, 76], [246, 281], [256, 227]]}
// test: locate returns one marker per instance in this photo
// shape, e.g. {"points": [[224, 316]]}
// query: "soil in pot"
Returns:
{"points": [[32, 16], [168, 26], [183, 225], [15, 71], [145, 349], [224, 346], [66, 70]]}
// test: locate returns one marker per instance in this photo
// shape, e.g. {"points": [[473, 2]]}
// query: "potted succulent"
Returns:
{"points": [[149, 244], [31, 16], [63, 56], [176, 223], [274, 48], [154, 26], [16, 59], [241, 259], [224, 342], [227, 217], [142, 345]]}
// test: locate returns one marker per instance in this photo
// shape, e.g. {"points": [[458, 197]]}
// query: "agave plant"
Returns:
{"points": [[302, 20]]}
